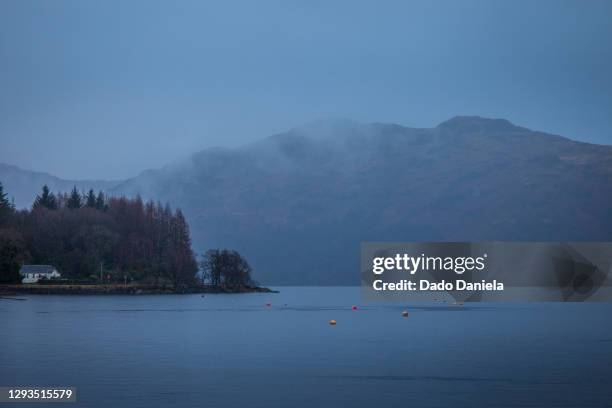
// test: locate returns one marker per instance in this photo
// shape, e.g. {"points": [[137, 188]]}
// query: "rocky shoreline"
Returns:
{"points": [[119, 289]]}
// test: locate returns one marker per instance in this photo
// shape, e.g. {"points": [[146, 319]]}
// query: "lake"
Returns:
{"points": [[235, 351]]}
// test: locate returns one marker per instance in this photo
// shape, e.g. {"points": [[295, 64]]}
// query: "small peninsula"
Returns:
{"points": [[89, 243]]}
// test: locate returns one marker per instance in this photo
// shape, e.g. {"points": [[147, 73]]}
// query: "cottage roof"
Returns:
{"points": [[36, 269]]}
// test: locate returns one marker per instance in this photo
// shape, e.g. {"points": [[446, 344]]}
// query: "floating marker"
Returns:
{"points": [[268, 304], [354, 308], [405, 313], [332, 322]]}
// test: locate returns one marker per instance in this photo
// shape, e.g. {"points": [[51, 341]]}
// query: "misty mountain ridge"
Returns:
{"points": [[23, 185], [299, 203]]}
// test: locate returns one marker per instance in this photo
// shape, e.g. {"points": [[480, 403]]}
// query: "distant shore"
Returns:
{"points": [[120, 289]]}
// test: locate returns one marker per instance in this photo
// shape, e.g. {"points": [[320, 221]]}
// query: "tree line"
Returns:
{"points": [[92, 237]]}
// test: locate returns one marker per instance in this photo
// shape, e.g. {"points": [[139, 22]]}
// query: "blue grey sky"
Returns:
{"points": [[105, 89]]}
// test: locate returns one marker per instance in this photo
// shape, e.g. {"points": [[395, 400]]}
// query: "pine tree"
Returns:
{"points": [[101, 201], [74, 201], [90, 200], [3, 200], [178, 255], [6, 207], [46, 199]]}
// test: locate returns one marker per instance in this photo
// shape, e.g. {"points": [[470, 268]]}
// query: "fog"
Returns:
{"points": [[104, 90]]}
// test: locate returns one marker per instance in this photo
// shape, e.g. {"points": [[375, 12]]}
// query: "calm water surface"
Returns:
{"points": [[234, 351]]}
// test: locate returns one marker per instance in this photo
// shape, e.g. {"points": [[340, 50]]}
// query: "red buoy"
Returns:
{"points": [[354, 307]]}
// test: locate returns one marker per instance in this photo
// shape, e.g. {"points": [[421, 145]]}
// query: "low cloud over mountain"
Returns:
{"points": [[298, 204]]}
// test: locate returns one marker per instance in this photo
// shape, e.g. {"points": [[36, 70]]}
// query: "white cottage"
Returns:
{"points": [[33, 273]]}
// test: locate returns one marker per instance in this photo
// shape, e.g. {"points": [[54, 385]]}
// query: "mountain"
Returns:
{"points": [[24, 185], [298, 204]]}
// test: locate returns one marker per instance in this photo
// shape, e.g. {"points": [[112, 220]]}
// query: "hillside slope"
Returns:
{"points": [[299, 203]]}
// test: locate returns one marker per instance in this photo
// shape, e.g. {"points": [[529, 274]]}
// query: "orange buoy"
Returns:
{"points": [[332, 322], [405, 313], [354, 307]]}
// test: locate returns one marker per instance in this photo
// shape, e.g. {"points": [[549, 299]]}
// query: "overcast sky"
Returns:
{"points": [[106, 89]]}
